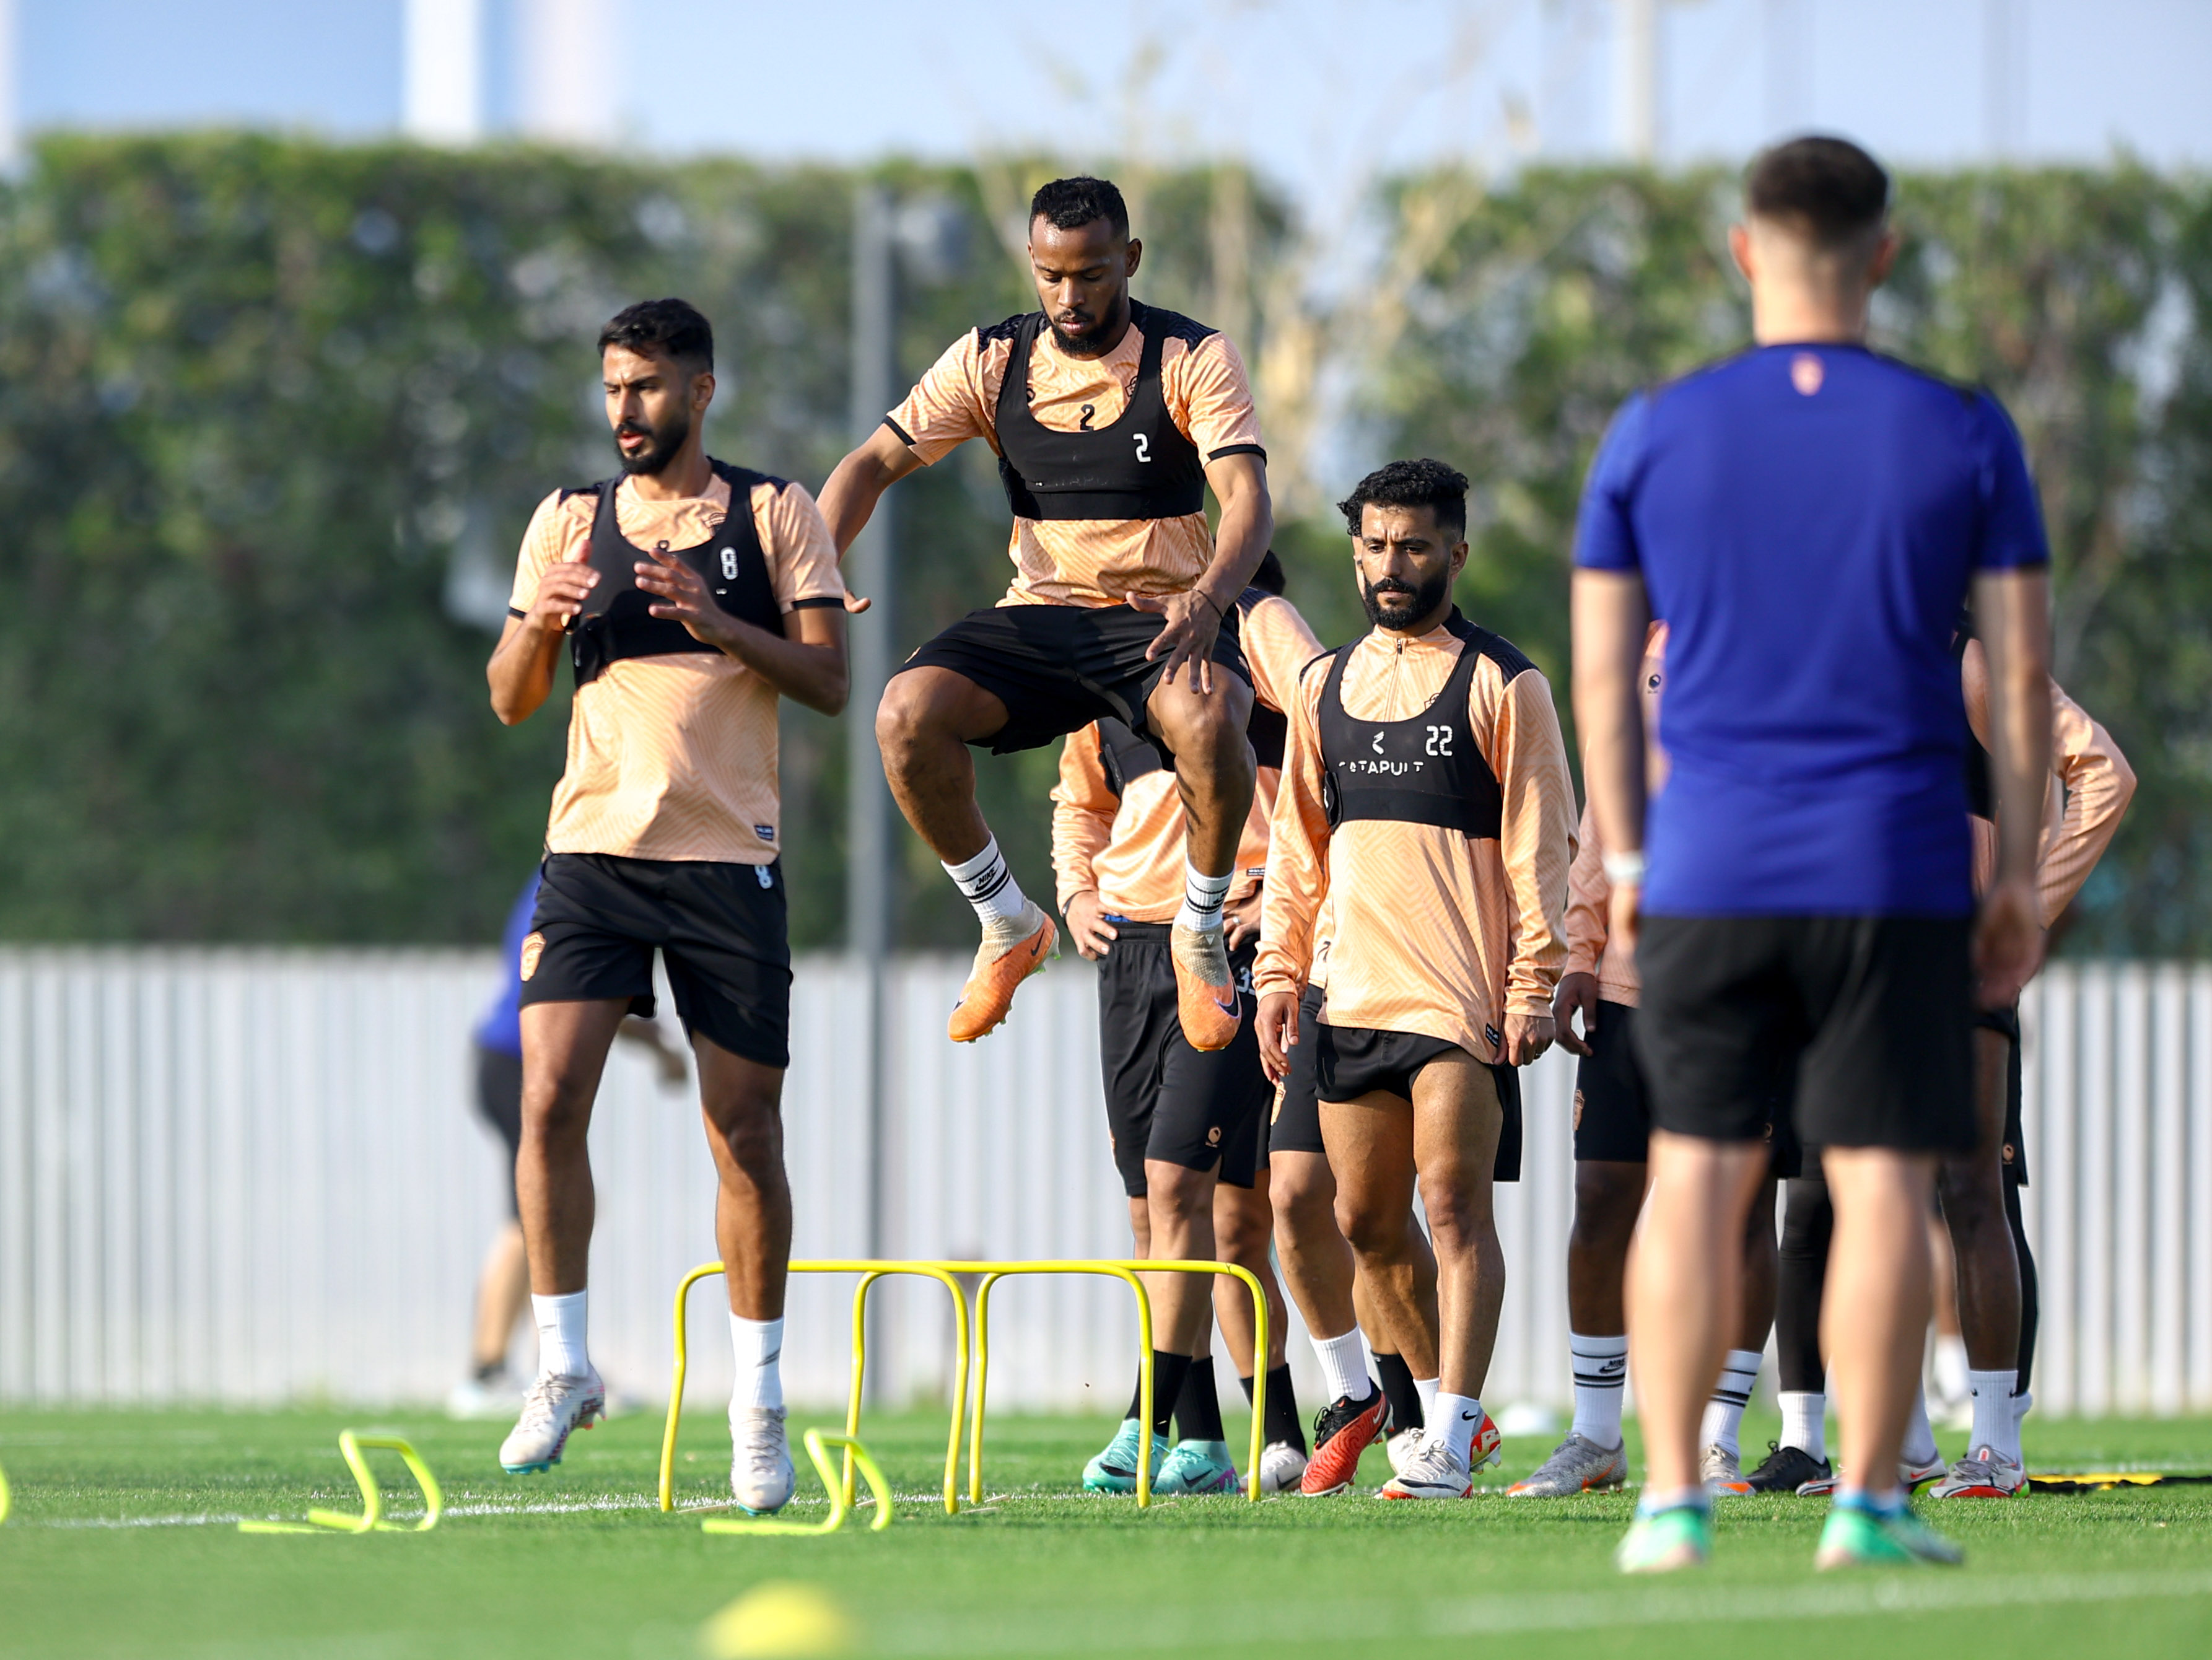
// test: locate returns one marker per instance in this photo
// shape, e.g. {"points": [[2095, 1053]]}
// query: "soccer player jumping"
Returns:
{"points": [[689, 595], [1425, 801], [1809, 517], [1110, 419]]}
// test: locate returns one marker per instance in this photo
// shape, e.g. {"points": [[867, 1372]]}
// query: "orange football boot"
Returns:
{"points": [[1341, 1433], [1205, 987], [1001, 967]]}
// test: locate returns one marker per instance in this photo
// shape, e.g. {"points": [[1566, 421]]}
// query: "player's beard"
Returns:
{"points": [[1091, 342], [655, 457], [1416, 602]]}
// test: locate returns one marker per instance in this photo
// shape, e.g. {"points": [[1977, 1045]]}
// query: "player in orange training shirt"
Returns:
{"points": [[1425, 801], [690, 596], [1110, 419]]}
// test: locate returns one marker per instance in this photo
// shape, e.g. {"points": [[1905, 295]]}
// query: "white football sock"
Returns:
{"points": [[759, 1346], [1454, 1423], [561, 1322], [1203, 896], [1427, 1387], [1724, 1412], [1344, 1366], [988, 884], [1919, 1438], [1805, 1422], [1994, 1423], [1600, 1367]]}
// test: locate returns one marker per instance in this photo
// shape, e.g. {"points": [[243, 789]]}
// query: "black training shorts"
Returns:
{"points": [[1613, 1115], [1350, 1062], [1057, 668], [1164, 1100], [499, 1103], [1296, 1126], [719, 928], [2006, 1023], [1871, 1014]]}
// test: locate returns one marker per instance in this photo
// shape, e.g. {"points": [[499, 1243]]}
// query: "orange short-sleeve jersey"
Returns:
{"points": [[1089, 562], [675, 758]]}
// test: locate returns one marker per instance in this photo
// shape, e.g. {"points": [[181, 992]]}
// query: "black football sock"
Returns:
{"points": [[1136, 1396], [1399, 1390], [1169, 1372], [1198, 1404], [1283, 1423], [2031, 1300]]}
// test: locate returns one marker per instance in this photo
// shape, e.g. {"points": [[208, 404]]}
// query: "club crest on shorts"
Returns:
{"points": [[1579, 1108], [532, 949]]}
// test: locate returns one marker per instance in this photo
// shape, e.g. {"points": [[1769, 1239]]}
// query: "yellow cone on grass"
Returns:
{"points": [[778, 1620]]}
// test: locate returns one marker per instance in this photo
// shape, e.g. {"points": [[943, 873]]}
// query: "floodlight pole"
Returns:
{"points": [[871, 568]]}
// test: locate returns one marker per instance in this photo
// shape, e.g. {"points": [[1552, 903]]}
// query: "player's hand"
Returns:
{"points": [[561, 594], [1241, 922], [2009, 943], [1624, 916], [684, 597], [1578, 994], [1277, 1023], [1526, 1036], [1087, 926], [856, 603], [1193, 626]]}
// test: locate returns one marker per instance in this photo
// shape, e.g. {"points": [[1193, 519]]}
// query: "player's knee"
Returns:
{"points": [[902, 718], [1207, 732], [1241, 1238], [1972, 1200], [1605, 1204], [1373, 1232], [556, 1110], [750, 1130]]}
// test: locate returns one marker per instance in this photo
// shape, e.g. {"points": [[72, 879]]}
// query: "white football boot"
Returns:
{"points": [[554, 1406], [762, 1476]]}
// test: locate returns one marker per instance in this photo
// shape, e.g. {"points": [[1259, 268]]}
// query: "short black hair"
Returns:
{"points": [[1827, 189], [674, 329], [1065, 203], [1422, 483], [1268, 579]]}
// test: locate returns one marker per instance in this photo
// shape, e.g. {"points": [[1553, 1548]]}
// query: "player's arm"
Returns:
{"points": [[858, 483], [1083, 808], [550, 591], [2099, 784], [1296, 884], [1215, 396], [1610, 618], [2012, 616], [1586, 894], [1537, 842]]}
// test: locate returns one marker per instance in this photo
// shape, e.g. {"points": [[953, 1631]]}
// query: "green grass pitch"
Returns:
{"points": [[122, 1545]]}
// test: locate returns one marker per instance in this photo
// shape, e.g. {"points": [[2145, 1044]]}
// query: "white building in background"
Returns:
{"points": [[556, 57], [442, 100]]}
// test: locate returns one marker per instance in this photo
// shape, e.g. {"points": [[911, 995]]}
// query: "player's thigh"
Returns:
{"points": [[564, 1051], [1370, 1153], [1137, 1026], [1890, 1060], [1722, 1019], [742, 1100], [1458, 1121], [1612, 1109], [931, 700]]}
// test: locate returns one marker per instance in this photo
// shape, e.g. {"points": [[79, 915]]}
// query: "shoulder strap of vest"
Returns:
{"points": [[1481, 643], [1158, 322]]}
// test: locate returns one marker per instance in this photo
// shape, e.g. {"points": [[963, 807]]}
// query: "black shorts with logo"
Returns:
{"points": [[1871, 1015], [720, 927], [1164, 1100], [1057, 668], [1296, 1124], [2006, 1023], [1350, 1062], [1613, 1108]]}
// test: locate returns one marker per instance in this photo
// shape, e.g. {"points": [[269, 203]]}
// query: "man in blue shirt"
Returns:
{"points": [[1809, 517]]}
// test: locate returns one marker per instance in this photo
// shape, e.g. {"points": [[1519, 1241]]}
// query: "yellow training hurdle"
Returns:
{"points": [[945, 1273], [870, 1271]]}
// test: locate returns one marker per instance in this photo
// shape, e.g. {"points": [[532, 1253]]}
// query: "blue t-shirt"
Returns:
{"points": [[1808, 520], [501, 1028]]}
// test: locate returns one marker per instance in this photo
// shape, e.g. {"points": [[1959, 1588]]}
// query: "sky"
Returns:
{"points": [[1319, 94]]}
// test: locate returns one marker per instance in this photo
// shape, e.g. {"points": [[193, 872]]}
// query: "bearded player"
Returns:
{"points": [[1426, 801], [1110, 419], [689, 595]]}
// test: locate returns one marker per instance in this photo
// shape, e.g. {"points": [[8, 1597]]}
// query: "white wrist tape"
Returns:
{"points": [[1625, 870]]}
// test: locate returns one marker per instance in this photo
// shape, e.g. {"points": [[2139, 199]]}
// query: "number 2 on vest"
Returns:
{"points": [[1144, 447]]}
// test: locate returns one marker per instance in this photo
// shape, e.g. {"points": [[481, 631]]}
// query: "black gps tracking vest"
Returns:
{"points": [[1425, 770], [1142, 466], [615, 621]]}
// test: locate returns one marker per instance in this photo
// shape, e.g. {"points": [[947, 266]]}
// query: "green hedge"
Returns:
{"points": [[269, 409]]}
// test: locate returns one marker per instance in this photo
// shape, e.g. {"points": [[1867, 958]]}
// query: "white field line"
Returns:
{"points": [[1932, 1591]]}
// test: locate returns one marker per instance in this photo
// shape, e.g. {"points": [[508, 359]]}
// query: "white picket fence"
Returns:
{"points": [[255, 1175]]}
